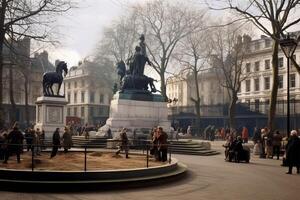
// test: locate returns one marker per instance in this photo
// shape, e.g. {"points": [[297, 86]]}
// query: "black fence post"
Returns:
{"points": [[85, 158], [170, 153], [147, 156], [32, 158]]}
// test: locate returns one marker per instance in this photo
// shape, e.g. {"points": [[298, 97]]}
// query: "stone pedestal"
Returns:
{"points": [[138, 111], [50, 114]]}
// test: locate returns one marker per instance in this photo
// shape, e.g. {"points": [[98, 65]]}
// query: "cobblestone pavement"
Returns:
{"points": [[208, 178]]}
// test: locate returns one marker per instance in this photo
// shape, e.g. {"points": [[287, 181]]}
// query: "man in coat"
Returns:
{"points": [[67, 140], [293, 152], [15, 141], [55, 142], [162, 144], [124, 143]]}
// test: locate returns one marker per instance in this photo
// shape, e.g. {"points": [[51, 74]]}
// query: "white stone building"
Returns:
{"points": [[183, 88], [256, 89], [88, 93]]}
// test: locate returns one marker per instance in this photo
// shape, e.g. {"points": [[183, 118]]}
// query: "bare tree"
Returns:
{"points": [[193, 54], [164, 25], [273, 17], [229, 55], [26, 18], [119, 39]]}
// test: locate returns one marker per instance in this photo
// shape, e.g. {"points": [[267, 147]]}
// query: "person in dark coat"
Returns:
{"points": [[15, 141], [28, 138], [238, 148], [276, 144], [55, 142], [162, 144], [293, 152], [67, 140]]}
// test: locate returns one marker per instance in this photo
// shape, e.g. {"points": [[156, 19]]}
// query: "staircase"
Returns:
{"points": [[187, 147], [192, 148]]}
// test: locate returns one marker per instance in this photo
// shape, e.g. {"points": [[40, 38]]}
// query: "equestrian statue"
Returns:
{"points": [[134, 78], [50, 78]]}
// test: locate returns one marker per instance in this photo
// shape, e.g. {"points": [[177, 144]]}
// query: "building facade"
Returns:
{"points": [[27, 73], [183, 88], [88, 93], [257, 86]]}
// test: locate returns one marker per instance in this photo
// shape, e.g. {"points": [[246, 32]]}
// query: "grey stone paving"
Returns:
{"points": [[209, 178]]}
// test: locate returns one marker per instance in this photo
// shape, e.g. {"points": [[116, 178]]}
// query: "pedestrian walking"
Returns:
{"points": [[277, 138], [162, 145], [28, 139], [124, 143], [15, 141], [154, 140], [55, 142], [293, 152], [67, 140], [37, 142]]}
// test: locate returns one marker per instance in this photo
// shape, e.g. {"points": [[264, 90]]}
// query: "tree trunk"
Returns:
{"points": [[2, 37], [1, 82], [11, 96], [198, 100], [163, 84], [273, 101], [27, 116], [232, 110]]}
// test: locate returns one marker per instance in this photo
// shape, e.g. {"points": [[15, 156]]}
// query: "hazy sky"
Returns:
{"points": [[80, 29]]}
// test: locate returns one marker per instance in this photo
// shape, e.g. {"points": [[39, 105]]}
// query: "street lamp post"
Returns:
{"points": [[288, 46]]}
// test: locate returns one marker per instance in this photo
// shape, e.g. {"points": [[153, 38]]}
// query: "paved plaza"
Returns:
{"points": [[208, 178]]}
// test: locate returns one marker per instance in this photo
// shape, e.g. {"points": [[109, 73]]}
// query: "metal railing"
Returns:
{"points": [[138, 150]]}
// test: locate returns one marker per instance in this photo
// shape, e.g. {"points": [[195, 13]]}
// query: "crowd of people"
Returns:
{"points": [[15, 142]]}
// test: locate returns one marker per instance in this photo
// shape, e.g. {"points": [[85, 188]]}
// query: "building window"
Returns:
{"points": [[91, 111], [267, 43], [295, 58], [256, 104], [248, 67], [100, 111], [256, 46], [75, 97], [69, 112], [82, 83], [256, 84], [82, 111], [267, 83], [92, 97], [82, 97], [257, 66], [280, 62], [248, 84], [267, 64], [75, 111], [280, 81], [69, 97], [101, 98], [293, 80], [75, 84]]}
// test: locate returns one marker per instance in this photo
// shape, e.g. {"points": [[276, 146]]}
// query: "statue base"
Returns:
{"points": [[137, 111], [50, 114]]}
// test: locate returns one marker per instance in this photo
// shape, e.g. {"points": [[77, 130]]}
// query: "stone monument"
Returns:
{"points": [[51, 108], [135, 106]]}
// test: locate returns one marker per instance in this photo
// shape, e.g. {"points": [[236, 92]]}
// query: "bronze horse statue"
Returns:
{"points": [[50, 78]]}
